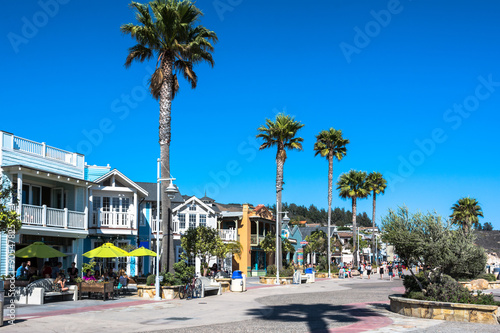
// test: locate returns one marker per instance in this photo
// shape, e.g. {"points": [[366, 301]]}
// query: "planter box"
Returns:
{"points": [[484, 314], [104, 288], [149, 292], [491, 285], [272, 280]]}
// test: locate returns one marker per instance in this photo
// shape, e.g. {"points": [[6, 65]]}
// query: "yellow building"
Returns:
{"points": [[250, 225]]}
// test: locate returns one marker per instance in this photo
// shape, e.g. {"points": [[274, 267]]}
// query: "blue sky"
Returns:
{"points": [[414, 85]]}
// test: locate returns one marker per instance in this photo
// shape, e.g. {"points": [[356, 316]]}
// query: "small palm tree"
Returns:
{"points": [[330, 144], [280, 133], [377, 185], [353, 185], [466, 213], [169, 34]]}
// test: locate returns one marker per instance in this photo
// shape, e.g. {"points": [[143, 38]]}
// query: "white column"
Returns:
{"points": [[66, 217], [44, 149], [135, 221], [20, 189]]}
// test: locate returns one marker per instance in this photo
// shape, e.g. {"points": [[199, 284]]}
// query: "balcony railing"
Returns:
{"points": [[13, 142], [121, 220], [256, 239], [175, 226], [50, 217], [228, 234]]}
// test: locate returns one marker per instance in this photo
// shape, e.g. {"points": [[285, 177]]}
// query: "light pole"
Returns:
{"points": [[278, 243], [171, 190]]}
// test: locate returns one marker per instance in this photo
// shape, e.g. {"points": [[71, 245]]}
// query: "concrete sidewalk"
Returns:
{"points": [[233, 312]]}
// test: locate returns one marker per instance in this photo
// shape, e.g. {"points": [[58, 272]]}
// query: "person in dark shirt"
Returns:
{"points": [[72, 272]]}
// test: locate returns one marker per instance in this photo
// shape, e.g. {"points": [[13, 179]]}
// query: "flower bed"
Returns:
{"points": [[473, 313], [272, 280]]}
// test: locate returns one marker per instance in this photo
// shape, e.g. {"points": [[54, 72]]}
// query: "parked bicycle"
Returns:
{"points": [[192, 289]]}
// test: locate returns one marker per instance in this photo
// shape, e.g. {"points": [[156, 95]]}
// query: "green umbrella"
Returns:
{"points": [[142, 252], [107, 250], [38, 250]]}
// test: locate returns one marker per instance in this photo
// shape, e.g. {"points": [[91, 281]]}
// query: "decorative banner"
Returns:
{"points": [[300, 256], [285, 234], [304, 243]]}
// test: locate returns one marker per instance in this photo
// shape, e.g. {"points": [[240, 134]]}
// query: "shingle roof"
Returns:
{"points": [[151, 188]]}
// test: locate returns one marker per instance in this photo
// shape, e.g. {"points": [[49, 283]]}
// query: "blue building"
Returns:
{"points": [[52, 195]]}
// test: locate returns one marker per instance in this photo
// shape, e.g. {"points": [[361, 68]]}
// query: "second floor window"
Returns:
{"points": [[192, 220], [192, 207], [203, 220], [182, 221]]}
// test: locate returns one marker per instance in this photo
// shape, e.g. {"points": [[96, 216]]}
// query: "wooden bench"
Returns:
{"points": [[210, 286]]}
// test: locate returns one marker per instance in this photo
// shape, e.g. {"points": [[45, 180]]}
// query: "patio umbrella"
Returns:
{"points": [[38, 250], [107, 250], [142, 252]]}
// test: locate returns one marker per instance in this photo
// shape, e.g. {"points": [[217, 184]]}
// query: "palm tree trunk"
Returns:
{"points": [[373, 223], [354, 232], [279, 187], [330, 187], [167, 256]]}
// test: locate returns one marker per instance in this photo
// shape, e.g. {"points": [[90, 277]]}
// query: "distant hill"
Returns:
{"points": [[490, 240]]}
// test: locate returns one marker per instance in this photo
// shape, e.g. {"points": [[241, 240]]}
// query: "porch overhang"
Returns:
{"points": [[14, 169], [53, 232]]}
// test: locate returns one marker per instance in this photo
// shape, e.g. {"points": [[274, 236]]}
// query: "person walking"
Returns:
{"points": [[390, 269], [381, 270], [369, 270], [360, 269]]}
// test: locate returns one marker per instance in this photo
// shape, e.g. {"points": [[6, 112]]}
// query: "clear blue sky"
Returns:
{"points": [[414, 85]]}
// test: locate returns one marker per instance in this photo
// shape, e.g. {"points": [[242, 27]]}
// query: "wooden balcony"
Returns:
{"points": [[114, 220], [256, 239], [175, 226], [51, 217]]}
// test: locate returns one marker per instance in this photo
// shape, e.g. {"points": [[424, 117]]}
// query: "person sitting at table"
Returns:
{"points": [[56, 270], [46, 270], [97, 275], [72, 272], [60, 283], [111, 274], [88, 276]]}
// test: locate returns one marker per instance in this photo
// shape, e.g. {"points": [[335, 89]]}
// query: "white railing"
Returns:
{"points": [[228, 234], [41, 149], [32, 214], [50, 217], [76, 220], [28, 146], [116, 220], [175, 226], [55, 217]]}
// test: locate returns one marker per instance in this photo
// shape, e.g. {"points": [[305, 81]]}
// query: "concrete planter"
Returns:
{"points": [[272, 280], [491, 285], [484, 314], [149, 292]]}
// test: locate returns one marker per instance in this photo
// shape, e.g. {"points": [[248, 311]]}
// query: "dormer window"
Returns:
{"points": [[192, 207]]}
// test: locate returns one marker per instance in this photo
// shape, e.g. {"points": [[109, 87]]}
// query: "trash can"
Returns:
{"points": [[310, 275], [237, 281], [496, 272]]}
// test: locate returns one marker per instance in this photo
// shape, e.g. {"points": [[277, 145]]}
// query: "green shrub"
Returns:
{"points": [[90, 266], [487, 277], [271, 270], [170, 279], [447, 289], [411, 285], [287, 272], [417, 295], [183, 272], [150, 280]]}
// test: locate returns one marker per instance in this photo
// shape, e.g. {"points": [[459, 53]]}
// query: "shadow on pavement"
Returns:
{"points": [[315, 316]]}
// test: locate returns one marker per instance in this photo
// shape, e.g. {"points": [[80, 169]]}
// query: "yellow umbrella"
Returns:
{"points": [[38, 250], [107, 250], [142, 252]]}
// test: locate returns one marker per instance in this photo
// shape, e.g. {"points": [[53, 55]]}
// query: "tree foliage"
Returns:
{"points": [[425, 238], [268, 244], [9, 219], [202, 242], [466, 213]]}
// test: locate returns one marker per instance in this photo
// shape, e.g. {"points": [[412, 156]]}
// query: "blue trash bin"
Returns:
{"points": [[309, 271], [237, 275]]}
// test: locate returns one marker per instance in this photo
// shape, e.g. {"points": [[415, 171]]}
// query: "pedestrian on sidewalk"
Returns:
{"points": [[381, 271], [369, 270], [360, 269], [390, 270]]}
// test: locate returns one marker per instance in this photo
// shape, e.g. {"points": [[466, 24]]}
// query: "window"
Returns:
{"points": [[203, 220], [192, 220], [36, 195], [192, 207], [182, 221]]}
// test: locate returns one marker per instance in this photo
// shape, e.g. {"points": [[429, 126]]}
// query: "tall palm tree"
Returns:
{"points": [[330, 144], [376, 184], [168, 33], [466, 213], [280, 133], [353, 185]]}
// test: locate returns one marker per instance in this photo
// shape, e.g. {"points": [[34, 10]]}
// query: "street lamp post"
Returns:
{"points": [[171, 190], [278, 243]]}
